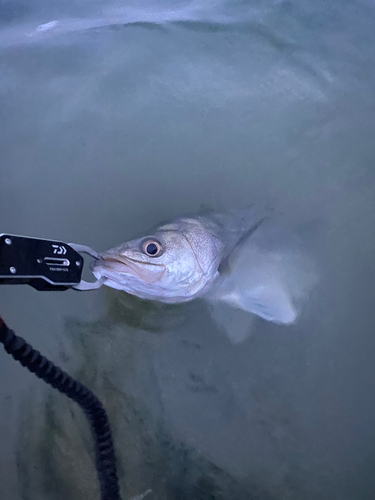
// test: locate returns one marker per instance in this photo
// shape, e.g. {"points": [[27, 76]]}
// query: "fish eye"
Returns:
{"points": [[152, 248]]}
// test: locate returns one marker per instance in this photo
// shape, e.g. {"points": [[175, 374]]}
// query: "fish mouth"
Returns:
{"points": [[118, 267]]}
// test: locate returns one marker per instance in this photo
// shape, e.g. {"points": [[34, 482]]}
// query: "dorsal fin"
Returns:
{"points": [[225, 266], [234, 225]]}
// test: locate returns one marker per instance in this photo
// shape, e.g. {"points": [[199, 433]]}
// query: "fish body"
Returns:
{"points": [[188, 253], [222, 257]]}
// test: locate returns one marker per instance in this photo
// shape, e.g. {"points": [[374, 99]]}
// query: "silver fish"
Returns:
{"points": [[217, 256]]}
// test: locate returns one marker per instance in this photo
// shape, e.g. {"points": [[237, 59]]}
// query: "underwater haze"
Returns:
{"points": [[115, 116]]}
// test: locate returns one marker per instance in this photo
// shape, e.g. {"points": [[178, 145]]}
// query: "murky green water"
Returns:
{"points": [[106, 131]]}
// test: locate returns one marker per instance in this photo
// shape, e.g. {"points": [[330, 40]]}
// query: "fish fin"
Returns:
{"points": [[239, 222], [235, 323], [230, 311], [238, 227], [226, 264], [270, 302]]}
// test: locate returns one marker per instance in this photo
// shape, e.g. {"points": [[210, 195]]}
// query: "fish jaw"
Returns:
{"points": [[113, 279], [122, 271]]}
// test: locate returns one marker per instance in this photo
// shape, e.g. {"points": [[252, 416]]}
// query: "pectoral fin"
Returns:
{"points": [[270, 302], [235, 323]]}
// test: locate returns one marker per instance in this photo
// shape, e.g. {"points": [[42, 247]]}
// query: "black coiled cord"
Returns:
{"points": [[90, 404]]}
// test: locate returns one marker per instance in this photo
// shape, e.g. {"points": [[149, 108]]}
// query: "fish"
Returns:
{"points": [[235, 260]]}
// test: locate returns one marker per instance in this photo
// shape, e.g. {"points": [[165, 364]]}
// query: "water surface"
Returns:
{"points": [[118, 117]]}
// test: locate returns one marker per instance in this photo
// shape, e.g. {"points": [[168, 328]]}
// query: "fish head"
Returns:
{"points": [[174, 264]]}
